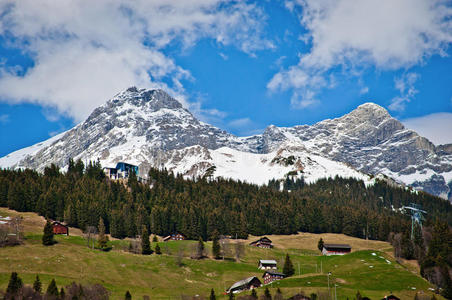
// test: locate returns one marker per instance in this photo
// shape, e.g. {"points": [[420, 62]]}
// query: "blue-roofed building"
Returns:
{"points": [[124, 169]]}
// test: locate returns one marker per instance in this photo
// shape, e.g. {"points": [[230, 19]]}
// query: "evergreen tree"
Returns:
{"points": [[102, 241], [128, 296], [200, 249], [320, 244], [216, 249], [267, 294], [62, 294], [47, 238], [254, 294], [231, 296], [52, 289], [14, 285], [358, 296], [154, 239], [157, 249], [212, 295], [278, 295], [37, 285], [288, 268], [145, 244]]}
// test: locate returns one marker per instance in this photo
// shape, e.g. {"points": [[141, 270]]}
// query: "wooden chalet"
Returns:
{"points": [[245, 284], [336, 249], [60, 228], [391, 297], [175, 237], [270, 276], [267, 264], [263, 242]]}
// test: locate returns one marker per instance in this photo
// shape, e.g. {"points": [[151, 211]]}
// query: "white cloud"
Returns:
{"points": [[84, 52], [405, 85], [240, 123], [353, 35], [435, 127], [4, 118], [364, 90]]}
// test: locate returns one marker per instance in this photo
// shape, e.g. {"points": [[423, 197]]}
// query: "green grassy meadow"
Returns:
{"points": [[373, 272]]}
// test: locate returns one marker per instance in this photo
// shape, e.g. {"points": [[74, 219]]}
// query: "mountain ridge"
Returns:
{"points": [[151, 129]]}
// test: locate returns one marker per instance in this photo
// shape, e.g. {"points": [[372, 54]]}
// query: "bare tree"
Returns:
{"points": [[239, 250], [135, 246], [180, 256], [225, 247], [90, 236]]}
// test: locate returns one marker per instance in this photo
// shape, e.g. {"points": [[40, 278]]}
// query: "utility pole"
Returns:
{"points": [[335, 294], [299, 272], [328, 276]]}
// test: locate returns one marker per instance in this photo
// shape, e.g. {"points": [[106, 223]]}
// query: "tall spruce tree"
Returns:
{"points": [[216, 248], [288, 268], [320, 244], [37, 285], [145, 243], [128, 296], [267, 294], [212, 295], [254, 294], [52, 289], [14, 284], [102, 241], [47, 238]]}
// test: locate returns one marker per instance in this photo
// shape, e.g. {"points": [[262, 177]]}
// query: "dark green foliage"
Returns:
{"points": [[47, 238], [231, 296], [320, 244], [62, 293], [14, 285], [145, 243], [288, 268], [267, 294], [154, 239], [102, 241], [52, 289], [212, 295], [314, 296], [37, 285], [157, 249], [254, 294], [358, 296], [216, 248], [128, 296]]}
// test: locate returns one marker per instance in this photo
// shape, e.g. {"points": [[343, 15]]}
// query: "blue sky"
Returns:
{"points": [[239, 65]]}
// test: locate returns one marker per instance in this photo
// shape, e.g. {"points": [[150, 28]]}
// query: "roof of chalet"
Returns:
{"points": [[262, 239], [242, 282], [337, 246], [274, 273], [59, 223], [267, 261]]}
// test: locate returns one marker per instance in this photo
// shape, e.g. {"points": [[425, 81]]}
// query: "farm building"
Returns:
{"points": [[270, 276], [59, 228], [336, 249], [264, 242], [391, 297], [174, 237], [266, 264], [245, 284]]}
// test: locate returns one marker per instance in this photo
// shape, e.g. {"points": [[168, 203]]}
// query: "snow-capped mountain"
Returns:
{"points": [[150, 128]]}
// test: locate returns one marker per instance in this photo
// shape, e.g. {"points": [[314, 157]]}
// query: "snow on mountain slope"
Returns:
{"points": [[13, 158], [151, 129], [289, 159]]}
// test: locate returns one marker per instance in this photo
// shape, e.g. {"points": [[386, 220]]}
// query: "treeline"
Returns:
{"points": [[82, 195]]}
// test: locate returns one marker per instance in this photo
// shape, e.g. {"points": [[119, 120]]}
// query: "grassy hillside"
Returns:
{"points": [[369, 269]]}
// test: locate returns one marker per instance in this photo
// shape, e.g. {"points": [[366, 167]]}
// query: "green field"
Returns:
{"points": [[373, 272]]}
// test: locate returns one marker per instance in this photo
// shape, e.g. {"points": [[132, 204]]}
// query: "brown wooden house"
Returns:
{"points": [[263, 242], [59, 228], [245, 284], [336, 249], [270, 276], [175, 237]]}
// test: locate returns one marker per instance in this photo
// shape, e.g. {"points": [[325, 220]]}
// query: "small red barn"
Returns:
{"points": [[59, 228]]}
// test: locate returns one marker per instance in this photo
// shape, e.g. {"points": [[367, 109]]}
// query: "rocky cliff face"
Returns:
{"points": [[150, 128]]}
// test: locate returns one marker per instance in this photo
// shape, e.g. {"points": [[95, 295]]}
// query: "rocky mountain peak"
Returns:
{"points": [[370, 113], [155, 99]]}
